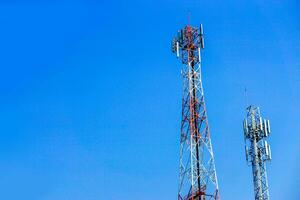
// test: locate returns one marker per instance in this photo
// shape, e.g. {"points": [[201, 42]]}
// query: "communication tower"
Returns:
{"points": [[258, 151], [197, 172]]}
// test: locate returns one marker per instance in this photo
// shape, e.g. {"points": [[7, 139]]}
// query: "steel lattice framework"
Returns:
{"points": [[258, 151], [197, 177]]}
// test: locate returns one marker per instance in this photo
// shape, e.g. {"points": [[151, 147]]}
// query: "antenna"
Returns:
{"points": [[246, 96], [189, 17]]}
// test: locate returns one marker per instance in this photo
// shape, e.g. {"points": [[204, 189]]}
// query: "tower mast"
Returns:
{"points": [[258, 151], [197, 173]]}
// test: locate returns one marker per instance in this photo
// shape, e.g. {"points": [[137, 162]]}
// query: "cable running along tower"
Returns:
{"points": [[258, 151], [197, 173]]}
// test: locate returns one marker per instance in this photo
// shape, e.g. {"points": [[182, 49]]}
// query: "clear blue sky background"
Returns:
{"points": [[91, 96]]}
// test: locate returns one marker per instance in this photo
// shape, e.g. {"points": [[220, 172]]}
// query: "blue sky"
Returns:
{"points": [[91, 95]]}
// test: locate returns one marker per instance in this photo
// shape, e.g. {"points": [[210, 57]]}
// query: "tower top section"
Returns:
{"points": [[255, 127], [189, 39]]}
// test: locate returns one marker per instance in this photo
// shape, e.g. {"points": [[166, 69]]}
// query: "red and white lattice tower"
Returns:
{"points": [[198, 177]]}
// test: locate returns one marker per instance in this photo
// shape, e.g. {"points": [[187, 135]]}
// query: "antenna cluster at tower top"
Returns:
{"points": [[188, 39]]}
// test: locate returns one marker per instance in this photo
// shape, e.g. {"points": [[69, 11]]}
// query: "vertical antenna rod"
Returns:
{"points": [[197, 172], [258, 151]]}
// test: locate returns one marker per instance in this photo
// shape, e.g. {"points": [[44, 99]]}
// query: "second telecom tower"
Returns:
{"points": [[197, 176], [258, 151]]}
